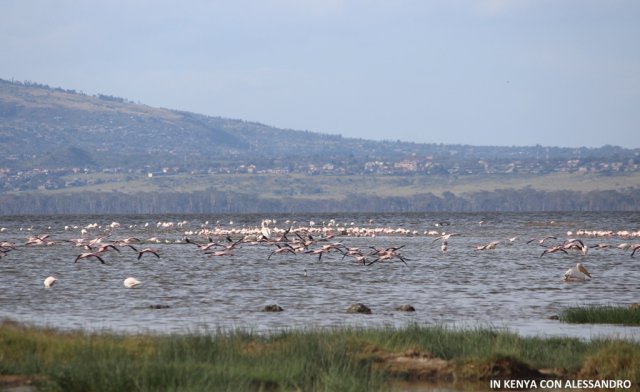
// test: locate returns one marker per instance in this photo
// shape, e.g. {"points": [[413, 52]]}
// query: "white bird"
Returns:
{"points": [[265, 231], [131, 282], [50, 281], [624, 246], [490, 245], [577, 274], [445, 237]]}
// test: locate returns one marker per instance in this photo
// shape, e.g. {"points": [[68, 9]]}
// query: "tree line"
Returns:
{"points": [[211, 201]]}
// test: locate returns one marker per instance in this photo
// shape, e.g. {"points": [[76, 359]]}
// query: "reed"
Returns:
{"points": [[601, 315], [346, 359]]}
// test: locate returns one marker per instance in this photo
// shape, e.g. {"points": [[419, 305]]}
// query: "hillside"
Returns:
{"points": [[38, 121], [61, 147]]}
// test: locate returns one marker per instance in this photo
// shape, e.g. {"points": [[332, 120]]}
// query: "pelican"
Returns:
{"points": [[577, 274], [131, 282], [50, 281], [265, 231], [624, 246]]}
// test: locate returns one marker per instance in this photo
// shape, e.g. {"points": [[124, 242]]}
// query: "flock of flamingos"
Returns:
{"points": [[311, 239]]}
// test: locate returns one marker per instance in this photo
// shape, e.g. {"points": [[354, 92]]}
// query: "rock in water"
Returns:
{"points": [[272, 308], [359, 308], [159, 306]]}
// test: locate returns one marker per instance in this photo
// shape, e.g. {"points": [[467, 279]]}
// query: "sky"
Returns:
{"points": [[478, 72]]}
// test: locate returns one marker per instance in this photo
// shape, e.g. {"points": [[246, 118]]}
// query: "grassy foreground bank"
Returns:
{"points": [[602, 315], [346, 359]]}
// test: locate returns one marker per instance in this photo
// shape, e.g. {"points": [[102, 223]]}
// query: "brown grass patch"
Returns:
{"points": [[8, 381], [414, 365]]}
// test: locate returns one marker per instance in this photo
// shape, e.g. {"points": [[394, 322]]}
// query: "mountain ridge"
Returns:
{"points": [[37, 117], [61, 150]]}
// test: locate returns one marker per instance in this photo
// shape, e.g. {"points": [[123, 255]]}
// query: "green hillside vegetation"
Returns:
{"points": [[337, 187], [62, 148]]}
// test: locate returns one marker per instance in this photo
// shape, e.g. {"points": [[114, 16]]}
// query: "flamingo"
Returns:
{"points": [[37, 240], [148, 250], [286, 248], [86, 255], [218, 253], [104, 248], [203, 247], [445, 237], [541, 240], [490, 245], [387, 254], [553, 249], [576, 244]]}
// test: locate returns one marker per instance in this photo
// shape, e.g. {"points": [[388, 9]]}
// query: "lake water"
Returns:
{"points": [[508, 287]]}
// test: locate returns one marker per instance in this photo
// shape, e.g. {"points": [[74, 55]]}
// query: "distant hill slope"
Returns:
{"points": [[38, 121], [63, 151]]}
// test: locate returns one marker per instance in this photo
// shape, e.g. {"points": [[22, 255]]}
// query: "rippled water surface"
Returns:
{"points": [[510, 286]]}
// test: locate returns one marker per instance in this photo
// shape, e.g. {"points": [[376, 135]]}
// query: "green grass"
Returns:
{"points": [[345, 359], [601, 315], [337, 187]]}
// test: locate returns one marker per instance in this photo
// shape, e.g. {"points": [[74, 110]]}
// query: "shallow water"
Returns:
{"points": [[509, 287]]}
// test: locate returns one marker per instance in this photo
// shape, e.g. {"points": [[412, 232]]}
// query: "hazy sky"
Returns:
{"points": [[482, 72]]}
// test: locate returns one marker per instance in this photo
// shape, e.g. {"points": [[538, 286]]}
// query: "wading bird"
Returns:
{"points": [[553, 249], [86, 255], [286, 248], [131, 282], [577, 245], [541, 240], [50, 281], [577, 274], [148, 250], [489, 246]]}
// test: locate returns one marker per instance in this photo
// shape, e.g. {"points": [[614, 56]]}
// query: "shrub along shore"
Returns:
{"points": [[345, 359], [602, 315]]}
